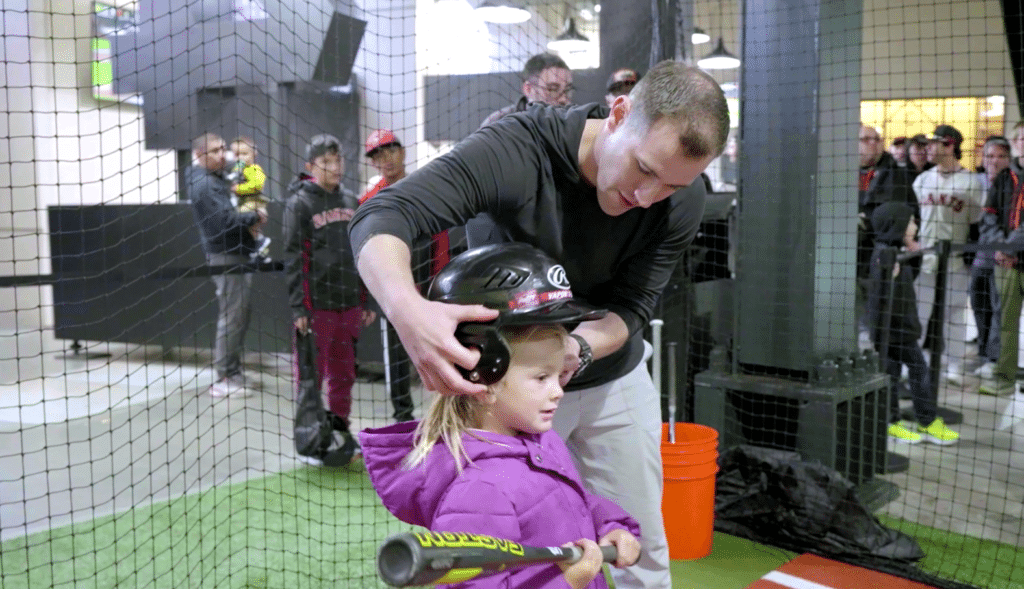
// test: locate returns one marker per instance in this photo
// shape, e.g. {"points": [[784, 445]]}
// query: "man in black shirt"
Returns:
{"points": [[615, 196]]}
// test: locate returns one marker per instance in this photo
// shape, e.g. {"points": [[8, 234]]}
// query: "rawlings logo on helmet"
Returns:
{"points": [[557, 277]]}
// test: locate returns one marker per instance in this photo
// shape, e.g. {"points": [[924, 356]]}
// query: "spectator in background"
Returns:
{"points": [[228, 242], [1017, 163], [547, 80], [1004, 207], [247, 179], [951, 199], [324, 289], [895, 228], [881, 181], [984, 294], [387, 154], [898, 151], [619, 83], [917, 156]]}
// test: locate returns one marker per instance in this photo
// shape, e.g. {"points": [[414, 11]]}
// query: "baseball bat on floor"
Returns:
{"points": [[426, 558]]}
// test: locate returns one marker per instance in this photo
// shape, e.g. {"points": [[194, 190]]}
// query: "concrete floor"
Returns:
{"points": [[81, 438]]}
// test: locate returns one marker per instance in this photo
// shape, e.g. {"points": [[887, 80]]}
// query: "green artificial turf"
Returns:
{"points": [[733, 563], [981, 563], [300, 529]]}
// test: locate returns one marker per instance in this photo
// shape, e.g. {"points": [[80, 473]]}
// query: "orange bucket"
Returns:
{"points": [[688, 501]]}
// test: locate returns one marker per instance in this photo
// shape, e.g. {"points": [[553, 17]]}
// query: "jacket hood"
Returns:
{"points": [[890, 221], [413, 494], [305, 182]]}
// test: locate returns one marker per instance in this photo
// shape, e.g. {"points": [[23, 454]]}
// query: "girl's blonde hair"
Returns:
{"points": [[450, 416]]}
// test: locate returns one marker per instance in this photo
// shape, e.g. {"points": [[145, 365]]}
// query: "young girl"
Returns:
{"points": [[492, 464]]}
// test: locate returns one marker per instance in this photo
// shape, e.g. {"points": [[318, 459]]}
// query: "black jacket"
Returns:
{"points": [[995, 222], [888, 183], [523, 171], [318, 257], [890, 222], [223, 228]]}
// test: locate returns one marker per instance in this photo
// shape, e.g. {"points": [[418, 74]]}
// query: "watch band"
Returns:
{"points": [[586, 355]]}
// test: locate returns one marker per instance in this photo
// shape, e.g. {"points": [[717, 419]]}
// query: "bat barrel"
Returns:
{"points": [[397, 561]]}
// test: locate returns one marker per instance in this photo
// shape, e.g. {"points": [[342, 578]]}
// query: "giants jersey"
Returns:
{"points": [[950, 202]]}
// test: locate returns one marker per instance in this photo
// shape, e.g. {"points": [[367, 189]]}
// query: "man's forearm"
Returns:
{"points": [[605, 336], [385, 265]]}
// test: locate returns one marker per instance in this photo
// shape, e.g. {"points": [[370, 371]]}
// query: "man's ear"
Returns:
{"points": [[525, 88], [309, 167], [620, 109]]}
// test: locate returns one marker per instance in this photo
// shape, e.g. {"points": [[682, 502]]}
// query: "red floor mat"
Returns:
{"points": [[813, 572]]}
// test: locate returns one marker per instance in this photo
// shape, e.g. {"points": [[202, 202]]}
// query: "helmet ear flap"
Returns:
{"points": [[494, 352]]}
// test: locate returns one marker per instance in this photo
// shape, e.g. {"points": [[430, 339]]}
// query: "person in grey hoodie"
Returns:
{"points": [[227, 242]]}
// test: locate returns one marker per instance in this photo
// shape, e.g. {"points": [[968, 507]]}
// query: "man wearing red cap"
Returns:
{"points": [[388, 155], [620, 83]]}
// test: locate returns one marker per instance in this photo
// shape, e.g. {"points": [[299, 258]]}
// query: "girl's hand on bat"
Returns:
{"points": [[582, 572]]}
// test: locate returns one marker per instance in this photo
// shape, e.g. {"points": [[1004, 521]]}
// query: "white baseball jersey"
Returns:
{"points": [[950, 202]]}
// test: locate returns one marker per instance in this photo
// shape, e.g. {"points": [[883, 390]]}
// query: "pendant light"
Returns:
{"points": [[502, 12], [699, 36], [570, 39], [719, 59]]}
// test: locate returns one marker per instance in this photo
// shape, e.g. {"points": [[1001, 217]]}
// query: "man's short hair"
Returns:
{"points": [[998, 140], [899, 140], [199, 143], [672, 89], [322, 145], [540, 62]]}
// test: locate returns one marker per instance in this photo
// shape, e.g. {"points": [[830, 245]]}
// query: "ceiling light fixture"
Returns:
{"points": [[502, 12], [570, 39], [699, 36], [719, 59]]}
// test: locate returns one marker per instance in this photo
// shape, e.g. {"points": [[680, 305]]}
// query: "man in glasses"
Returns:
{"points": [[620, 83], [951, 199], [547, 80], [227, 241]]}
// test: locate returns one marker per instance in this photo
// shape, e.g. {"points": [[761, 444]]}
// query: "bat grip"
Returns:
{"points": [[608, 554]]}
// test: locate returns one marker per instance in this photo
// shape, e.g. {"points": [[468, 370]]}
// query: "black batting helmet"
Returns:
{"points": [[523, 283]]}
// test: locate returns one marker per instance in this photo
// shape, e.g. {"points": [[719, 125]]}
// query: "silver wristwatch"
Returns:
{"points": [[586, 355]]}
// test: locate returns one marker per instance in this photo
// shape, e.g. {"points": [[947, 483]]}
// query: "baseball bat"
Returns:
{"points": [[426, 558]]}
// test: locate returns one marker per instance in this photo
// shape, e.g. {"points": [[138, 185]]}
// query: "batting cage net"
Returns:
{"points": [[187, 353]]}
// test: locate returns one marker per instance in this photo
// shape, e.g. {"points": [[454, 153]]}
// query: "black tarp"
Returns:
{"points": [[774, 497]]}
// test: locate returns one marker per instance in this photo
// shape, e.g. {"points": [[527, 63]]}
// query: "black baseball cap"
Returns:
{"points": [[919, 139], [944, 132]]}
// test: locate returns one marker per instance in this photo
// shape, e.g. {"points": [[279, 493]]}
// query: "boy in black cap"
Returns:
{"points": [[324, 289]]}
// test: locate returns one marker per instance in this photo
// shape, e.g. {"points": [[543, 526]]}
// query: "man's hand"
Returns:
{"points": [[627, 545], [368, 317], [427, 330], [582, 572], [1005, 260], [302, 324]]}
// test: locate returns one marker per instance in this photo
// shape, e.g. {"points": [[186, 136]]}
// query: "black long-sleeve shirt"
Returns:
{"points": [[523, 171]]}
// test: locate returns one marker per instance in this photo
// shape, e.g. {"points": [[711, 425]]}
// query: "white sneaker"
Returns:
{"points": [[955, 375], [986, 371], [1014, 412], [232, 386]]}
